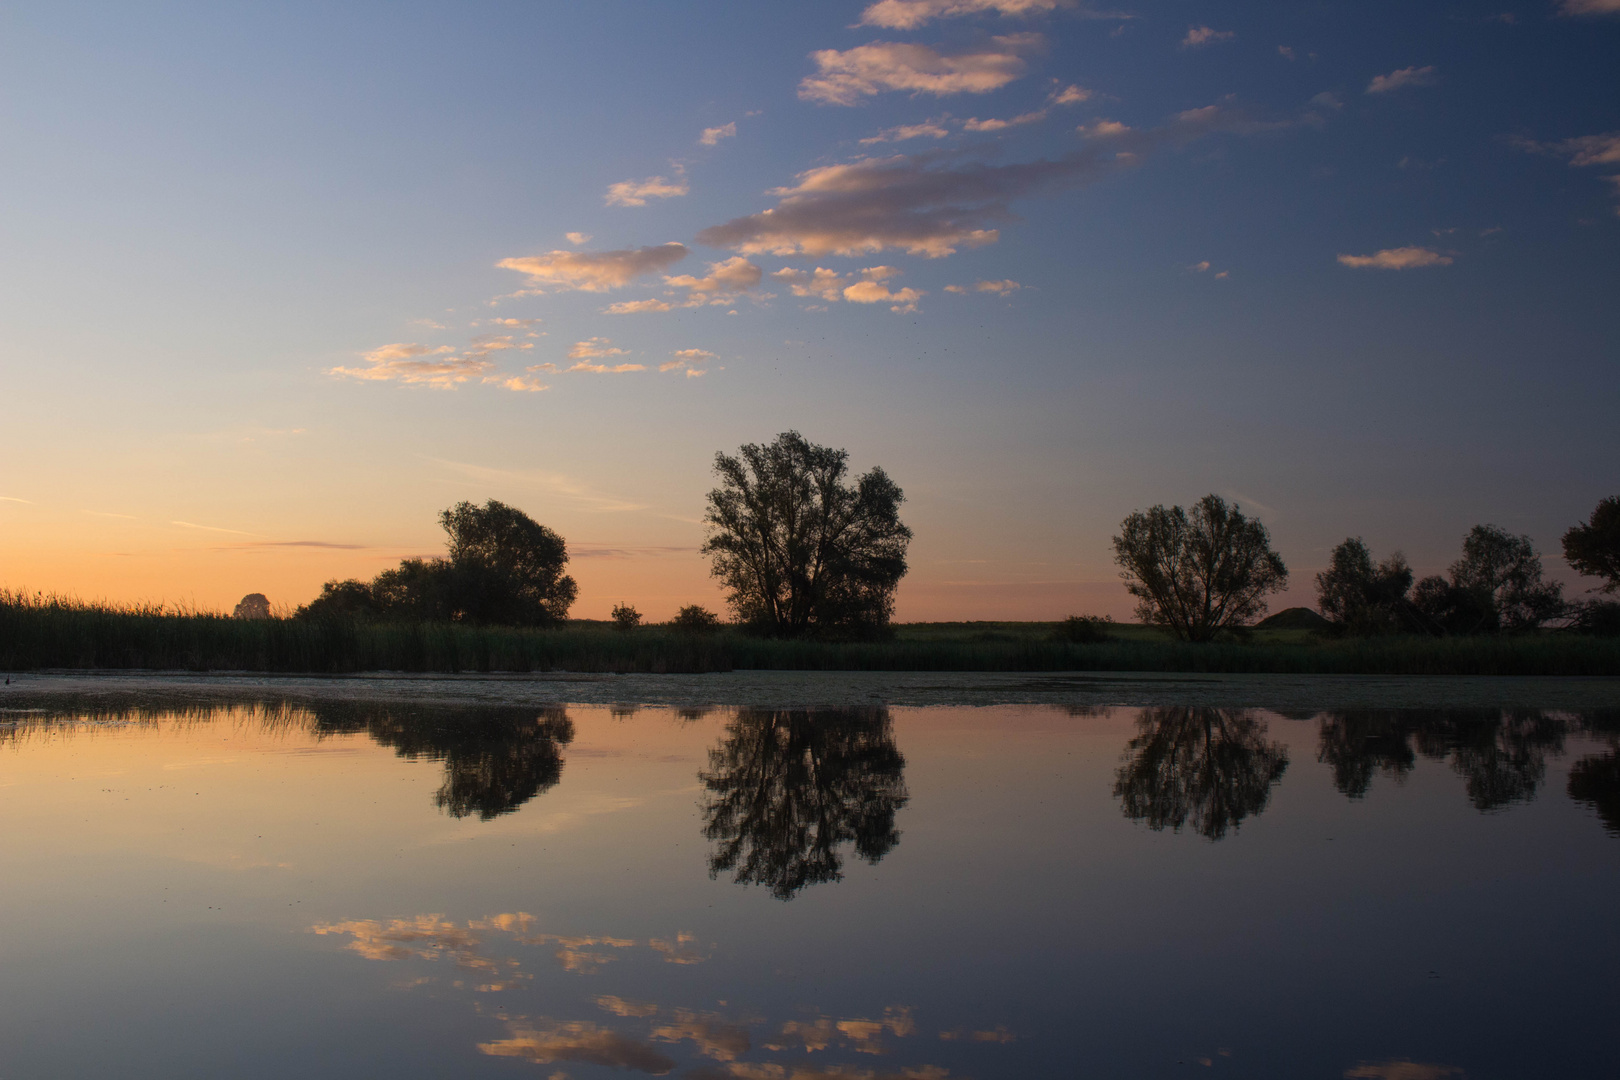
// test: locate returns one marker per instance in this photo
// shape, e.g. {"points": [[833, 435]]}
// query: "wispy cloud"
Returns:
{"points": [[1070, 95], [928, 129], [210, 528], [866, 287], [324, 544], [1584, 150], [1404, 258], [1202, 35], [999, 288], [520, 383], [931, 204], [594, 349], [637, 192], [577, 238], [975, 124], [600, 271], [636, 307], [686, 360], [1397, 80], [712, 136], [736, 274], [844, 77], [414, 363], [1589, 7], [580, 1042], [10, 498], [911, 14], [550, 483]]}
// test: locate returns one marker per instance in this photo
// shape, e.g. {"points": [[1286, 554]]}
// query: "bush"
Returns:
{"points": [[625, 617], [695, 619], [1084, 629]]}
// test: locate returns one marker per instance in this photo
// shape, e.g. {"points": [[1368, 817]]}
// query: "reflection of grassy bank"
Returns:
{"points": [[35, 636]]}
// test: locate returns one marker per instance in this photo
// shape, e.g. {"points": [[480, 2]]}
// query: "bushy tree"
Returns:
{"points": [[799, 550], [1495, 587], [625, 617], [253, 606], [1594, 548], [1201, 572], [695, 619], [1360, 597], [504, 569]]}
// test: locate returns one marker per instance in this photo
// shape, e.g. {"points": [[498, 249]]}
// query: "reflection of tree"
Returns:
{"points": [[495, 760], [1596, 779], [1209, 767], [787, 789], [1501, 754]]}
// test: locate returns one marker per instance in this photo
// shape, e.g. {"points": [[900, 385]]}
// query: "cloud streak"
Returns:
{"points": [[1198, 36], [416, 364], [1397, 80], [1404, 258], [845, 77], [599, 271], [712, 136], [637, 192], [933, 204]]}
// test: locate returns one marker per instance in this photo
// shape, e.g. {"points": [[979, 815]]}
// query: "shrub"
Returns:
{"points": [[625, 617], [695, 619], [1084, 629]]}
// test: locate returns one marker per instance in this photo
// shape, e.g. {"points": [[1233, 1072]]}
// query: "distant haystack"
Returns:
{"points": [[253, 606]]}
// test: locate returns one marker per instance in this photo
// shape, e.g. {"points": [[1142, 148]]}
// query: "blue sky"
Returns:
{"points": [[1353, 265]]}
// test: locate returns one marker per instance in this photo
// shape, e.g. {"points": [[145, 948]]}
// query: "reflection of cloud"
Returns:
{"points": [[1401, 1070], [1405, 258], [998, 1034], [860, 1034], [426, 937], [910, 14], [637, 192], [845, 77], [1589, 7], [618, 1006], [682, 950], [594, 271], [714, 1037], [1395, 80], [580, 1041], [574, 952]]}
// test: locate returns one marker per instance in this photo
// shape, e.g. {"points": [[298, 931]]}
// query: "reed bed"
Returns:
{"points": [[41, 633]]}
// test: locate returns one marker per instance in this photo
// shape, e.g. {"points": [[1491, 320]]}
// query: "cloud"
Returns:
{"points": [[1584, 150], [599, 271], [685, 359], [1199, 267], [933, 203], [1405, 258], [930, 129], [635, 307], [975, 124], [871, 292], [1203, 35], [1395, 80], [1589, 7], [736, 274], [1327, 100], [1103, 129], [911, 14], [426, 937], [292, 543], [823, 283], [1070, 95], [554, 484], [429, 324], [843, 78], [712, 136], [516, 324], [1000, 288], [409, 362], [580, 1041], [205, 528], [577, 238], [520, 383], [1401, 1070], [682, 950], [599, 348], [9, 498], [1285, 52], [637, 192]]}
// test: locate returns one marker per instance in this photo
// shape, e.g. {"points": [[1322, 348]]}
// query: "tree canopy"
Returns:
{"points": [[504, 568], [1199, 572], [1360, 597], [1594, 548], [1496, 586], [799, 550]]}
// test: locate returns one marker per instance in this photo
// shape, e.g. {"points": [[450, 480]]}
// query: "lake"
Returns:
{"points": [[815, 876]]}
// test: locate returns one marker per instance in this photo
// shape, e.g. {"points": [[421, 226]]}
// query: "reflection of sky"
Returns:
{"points": [[1021, 923]]}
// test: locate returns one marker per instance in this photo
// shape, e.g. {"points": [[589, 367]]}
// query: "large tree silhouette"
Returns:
{"points": [[788, 790], [495, 760], [1209, 768]]}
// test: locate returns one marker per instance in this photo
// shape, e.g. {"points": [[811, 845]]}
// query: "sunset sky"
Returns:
{"points": [[281, 282]]}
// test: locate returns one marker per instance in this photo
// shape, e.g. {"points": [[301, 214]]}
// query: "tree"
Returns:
{"points": [[1594, 548], [1503, 573], [625, 617], [1360, 597], [255, 605], [695, 619], [508, 567], [1198, 573], [799, 550]]}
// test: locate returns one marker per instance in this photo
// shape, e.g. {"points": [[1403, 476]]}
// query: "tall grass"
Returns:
{"points": [[53, 633]]}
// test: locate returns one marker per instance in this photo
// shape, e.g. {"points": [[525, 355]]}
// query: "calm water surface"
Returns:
{"points": [[370, 890]]}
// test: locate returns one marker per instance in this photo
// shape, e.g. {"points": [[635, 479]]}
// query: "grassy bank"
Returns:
{"points": [[38, 635]]}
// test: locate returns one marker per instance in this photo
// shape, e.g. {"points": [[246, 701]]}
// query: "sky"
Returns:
{"points": [[282, 282]]}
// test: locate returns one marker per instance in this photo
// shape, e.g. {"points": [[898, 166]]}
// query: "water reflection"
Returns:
{"points": [[495, 760], [787, 789], [1500, 753], [1210, 768], [1595, 780]]}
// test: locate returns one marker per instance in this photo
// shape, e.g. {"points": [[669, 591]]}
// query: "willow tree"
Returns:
{"points": [[1198, 572], [799, 549]]}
